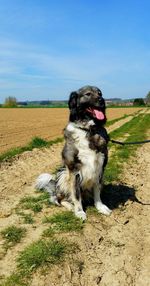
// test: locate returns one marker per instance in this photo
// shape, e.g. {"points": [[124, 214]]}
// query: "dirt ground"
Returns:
{"points": [[19, 126], [113, 251]]}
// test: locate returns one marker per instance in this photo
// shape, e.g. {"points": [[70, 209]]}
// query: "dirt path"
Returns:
{"points": [[114, 250]]}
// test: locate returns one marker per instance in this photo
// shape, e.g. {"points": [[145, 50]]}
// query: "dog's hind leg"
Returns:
{"points": [[67, 205], [75, 182], [102, 208]]}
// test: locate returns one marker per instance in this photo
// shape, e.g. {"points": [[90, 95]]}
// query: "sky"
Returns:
{"points": [[49, 48]]}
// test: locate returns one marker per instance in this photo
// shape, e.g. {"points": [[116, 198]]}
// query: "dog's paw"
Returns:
{"points": [[103, 209], [54, 201], [81, 215], [67, 205]]}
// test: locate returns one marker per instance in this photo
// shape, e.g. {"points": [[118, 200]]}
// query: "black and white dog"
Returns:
{"points": [[84, 154]]}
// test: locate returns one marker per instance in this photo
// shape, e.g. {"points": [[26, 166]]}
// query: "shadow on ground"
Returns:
{"points": [[115, 195]]}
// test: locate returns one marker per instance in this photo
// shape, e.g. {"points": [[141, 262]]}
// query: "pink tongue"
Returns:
{"points": [[98, 114]]}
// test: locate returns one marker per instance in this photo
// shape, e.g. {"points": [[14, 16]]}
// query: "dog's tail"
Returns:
{"points": [[47, 183]]}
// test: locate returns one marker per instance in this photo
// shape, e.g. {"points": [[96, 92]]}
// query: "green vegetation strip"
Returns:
{"points": [[110, 122], [134, 130], [35, 143]]}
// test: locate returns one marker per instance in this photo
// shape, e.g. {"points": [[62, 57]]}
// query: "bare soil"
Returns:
{"points": [[19, 126], [112, 250]]}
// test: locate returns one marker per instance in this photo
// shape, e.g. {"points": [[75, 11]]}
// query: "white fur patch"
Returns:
{"points": [[70, 127], [43, 180], [92, 162]]}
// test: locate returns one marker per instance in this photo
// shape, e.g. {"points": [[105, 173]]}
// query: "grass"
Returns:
{"points": [[47, 251], [39, 253], [49, 232], [136, 130], [14, 280], [63, 222], [27, 218], [35, 143], [110, 122], [35, 203], [12, 235]]}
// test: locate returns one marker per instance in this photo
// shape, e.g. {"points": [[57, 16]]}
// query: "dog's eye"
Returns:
{"points": [[88, 94]]}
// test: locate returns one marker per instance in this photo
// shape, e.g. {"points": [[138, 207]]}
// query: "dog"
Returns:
{"points": [[84, 154]]}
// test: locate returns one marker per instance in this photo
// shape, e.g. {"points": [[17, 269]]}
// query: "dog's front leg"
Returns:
{"points": [[102, 208], [75, 182]]}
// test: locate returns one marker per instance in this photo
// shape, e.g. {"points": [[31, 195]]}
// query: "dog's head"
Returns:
{"points": [[87, 103]]}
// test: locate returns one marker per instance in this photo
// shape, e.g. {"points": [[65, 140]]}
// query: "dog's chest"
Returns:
{"points": [[91, 161]]}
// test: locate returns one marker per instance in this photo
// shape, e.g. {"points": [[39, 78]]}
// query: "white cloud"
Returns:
{"points": [[26, 68]]}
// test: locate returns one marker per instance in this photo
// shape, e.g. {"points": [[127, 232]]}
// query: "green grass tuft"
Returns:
{"points": [[49, 232], [28, 219], [36, 207], [35, 203], [12, 235], [38, 143], [40, 253], [64, 222], [14, 280]]}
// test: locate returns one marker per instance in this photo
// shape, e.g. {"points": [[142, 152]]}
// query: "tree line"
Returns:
{"points": [[12, 101]]}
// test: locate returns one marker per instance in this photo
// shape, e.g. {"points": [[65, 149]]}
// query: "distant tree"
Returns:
{"points": [[148, 97], [10, 102], [138, 101]]}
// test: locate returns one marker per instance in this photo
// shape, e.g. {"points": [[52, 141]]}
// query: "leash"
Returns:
{"points": [[129, 143], [106, 137]]}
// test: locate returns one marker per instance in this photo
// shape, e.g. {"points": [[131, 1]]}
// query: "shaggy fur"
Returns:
{"points": [[84, 154]]}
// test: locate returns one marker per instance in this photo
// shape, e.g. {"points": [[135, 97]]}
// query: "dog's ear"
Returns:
{"points": [[72, 103]]}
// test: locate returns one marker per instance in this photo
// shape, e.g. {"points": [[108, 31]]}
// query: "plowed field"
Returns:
{"points": [[19, 126]]}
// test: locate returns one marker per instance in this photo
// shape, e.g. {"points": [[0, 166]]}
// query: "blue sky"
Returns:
{"points": [[50, 48]]}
